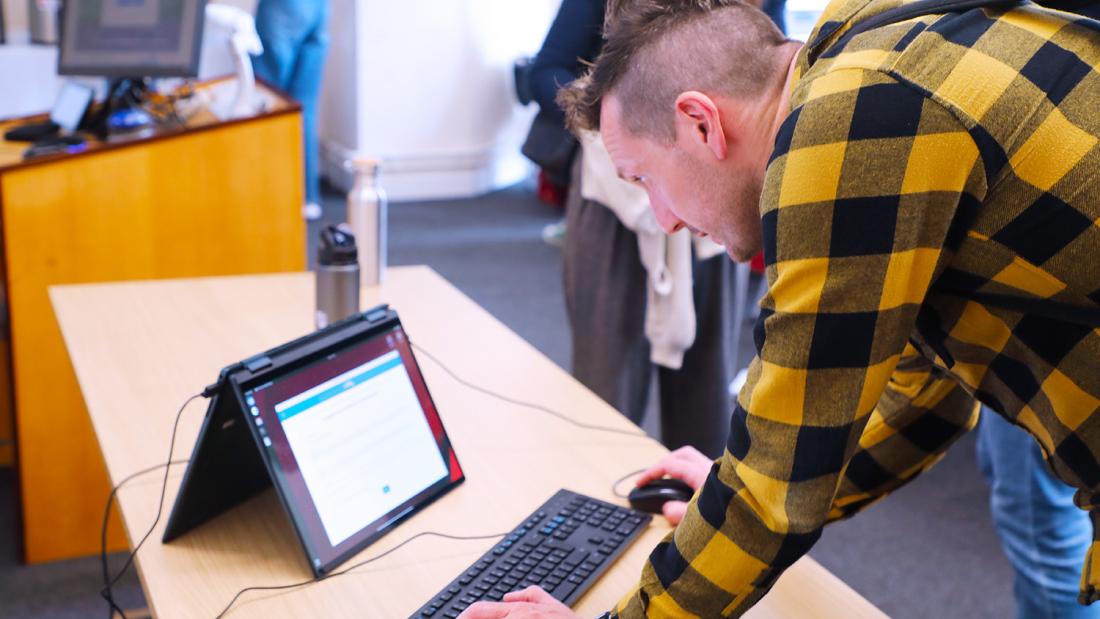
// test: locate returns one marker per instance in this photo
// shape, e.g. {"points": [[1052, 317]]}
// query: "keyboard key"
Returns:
{"points": [[429, 611], [576, 557], [563, 591]]}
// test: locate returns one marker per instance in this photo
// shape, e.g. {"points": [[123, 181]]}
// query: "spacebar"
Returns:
{"points": [[563, 590]]}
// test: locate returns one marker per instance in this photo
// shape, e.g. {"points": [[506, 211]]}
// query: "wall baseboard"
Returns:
{"points": [[432, 177]]}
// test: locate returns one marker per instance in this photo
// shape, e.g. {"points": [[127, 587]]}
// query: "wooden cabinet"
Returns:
{"points": [[212, 199]]}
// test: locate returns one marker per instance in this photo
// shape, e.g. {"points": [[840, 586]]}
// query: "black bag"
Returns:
{"points": [[551, 147], [549, 144]]}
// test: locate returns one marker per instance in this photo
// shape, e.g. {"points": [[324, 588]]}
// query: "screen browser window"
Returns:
{"points": [[355, 441], [362, 444]]}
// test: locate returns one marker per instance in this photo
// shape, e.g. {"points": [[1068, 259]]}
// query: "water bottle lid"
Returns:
{"points": [[337, 246], [363, 165]]}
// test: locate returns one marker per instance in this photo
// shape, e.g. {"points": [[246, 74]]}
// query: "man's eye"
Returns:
{"points": [[637, 179]]}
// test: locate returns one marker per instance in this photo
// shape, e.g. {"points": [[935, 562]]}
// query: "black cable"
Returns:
{"points": [[108, 582], [352, 567], [538, 407], [106, 592], [615, 484]]}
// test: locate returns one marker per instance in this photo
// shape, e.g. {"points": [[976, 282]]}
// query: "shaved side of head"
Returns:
{"points": [[656, 50]]}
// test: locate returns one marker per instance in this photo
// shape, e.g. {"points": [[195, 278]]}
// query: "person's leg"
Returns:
{"points": [[695, 400], [280, 26], [1043, 534], [604, 285], [304, 85]]}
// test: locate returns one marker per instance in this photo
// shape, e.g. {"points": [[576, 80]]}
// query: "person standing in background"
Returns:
{"points": [[295, 38], [640, 303]]}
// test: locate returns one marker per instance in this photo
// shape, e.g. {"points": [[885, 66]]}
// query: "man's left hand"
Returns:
{"points": [[531, 602]]}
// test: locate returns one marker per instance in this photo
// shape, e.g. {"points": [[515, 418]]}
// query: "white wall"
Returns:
{"points": [[16, 25], [15, 21], [426, 86]]}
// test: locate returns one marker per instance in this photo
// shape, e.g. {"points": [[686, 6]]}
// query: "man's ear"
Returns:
{"points": [[697, 118]]}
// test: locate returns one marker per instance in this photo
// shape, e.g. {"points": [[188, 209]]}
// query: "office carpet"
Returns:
{"points": [[928, 551]]}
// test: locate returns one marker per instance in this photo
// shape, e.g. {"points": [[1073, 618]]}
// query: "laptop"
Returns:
{"points": [[340, 423]]}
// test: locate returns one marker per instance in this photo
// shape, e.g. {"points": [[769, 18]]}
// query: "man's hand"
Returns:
{"points": [[531, 602], [687, 464]]}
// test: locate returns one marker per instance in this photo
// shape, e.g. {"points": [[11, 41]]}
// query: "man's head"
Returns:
{"points": [[682, 94]]}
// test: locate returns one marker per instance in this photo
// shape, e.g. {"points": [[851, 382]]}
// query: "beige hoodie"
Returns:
{"points": [[670, 309]]}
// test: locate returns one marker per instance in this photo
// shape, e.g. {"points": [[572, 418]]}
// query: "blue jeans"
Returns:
{"points": [[1044, 535], [295, 42]]}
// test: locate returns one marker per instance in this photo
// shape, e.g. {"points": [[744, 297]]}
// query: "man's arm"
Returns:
{"points": [[865, 183], [921, 413]]}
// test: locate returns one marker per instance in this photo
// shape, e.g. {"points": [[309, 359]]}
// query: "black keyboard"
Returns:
{"points": [[563, 547]]}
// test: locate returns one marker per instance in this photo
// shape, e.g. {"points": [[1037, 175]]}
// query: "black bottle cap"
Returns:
{"points": [[337, 247]]}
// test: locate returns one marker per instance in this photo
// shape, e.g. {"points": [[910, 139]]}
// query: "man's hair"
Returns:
{"points": [[656, 49]]}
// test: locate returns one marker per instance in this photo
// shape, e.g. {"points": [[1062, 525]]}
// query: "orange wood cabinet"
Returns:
{"points": [[222, 198]]}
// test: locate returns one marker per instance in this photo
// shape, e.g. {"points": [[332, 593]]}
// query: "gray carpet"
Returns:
{"points": [[927, 551]]}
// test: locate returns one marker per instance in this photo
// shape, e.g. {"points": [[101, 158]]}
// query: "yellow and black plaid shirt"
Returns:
{"points": [[932, 233]]}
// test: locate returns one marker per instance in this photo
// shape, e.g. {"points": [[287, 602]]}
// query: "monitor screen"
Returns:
{"points": [[131, 38], [355, 442]]}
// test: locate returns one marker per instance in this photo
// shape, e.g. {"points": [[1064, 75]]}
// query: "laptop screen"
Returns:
{"points": [[355, 442]]}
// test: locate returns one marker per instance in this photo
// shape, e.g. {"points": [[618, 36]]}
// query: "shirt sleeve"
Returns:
{"points": [[868, 188], [573, 39], [921, 413]]}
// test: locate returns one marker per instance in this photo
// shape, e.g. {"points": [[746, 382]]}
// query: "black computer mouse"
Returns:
{"points": [[650, 497]]}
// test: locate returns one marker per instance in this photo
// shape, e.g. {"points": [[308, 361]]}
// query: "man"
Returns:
{"points": [[929, 223]]}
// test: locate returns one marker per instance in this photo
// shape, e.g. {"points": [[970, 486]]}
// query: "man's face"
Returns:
{"points": [[688, 186]]}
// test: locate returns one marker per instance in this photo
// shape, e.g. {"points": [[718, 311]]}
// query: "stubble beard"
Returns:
{"points": [[742, 231]]}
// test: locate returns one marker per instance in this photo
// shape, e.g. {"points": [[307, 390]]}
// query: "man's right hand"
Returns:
{"points": [[687, 464]]}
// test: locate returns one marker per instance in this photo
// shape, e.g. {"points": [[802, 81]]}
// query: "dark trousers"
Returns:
{"points": [[605, 298]]}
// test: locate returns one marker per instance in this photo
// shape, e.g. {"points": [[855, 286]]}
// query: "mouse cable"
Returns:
{"points": [[311, 581], [615, 484], [538, 407], [108, 582]]}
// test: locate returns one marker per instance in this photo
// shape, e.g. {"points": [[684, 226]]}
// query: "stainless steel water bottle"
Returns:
{"points": [[367, 218], [337, 276]]}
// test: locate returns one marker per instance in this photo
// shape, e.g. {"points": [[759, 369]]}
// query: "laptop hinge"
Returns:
{"points": [[257, 363]]}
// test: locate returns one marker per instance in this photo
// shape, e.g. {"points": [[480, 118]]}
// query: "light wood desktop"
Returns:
{"points": [[140, 349], [211, 198]]}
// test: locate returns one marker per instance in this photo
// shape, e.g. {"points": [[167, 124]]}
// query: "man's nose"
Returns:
{"points": [[665, 217]]}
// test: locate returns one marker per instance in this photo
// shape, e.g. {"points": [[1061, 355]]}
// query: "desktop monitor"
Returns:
{"points": [[131, 38]]}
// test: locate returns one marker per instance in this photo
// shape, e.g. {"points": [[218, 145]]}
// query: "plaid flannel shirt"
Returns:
{"points": [[926, 170]]}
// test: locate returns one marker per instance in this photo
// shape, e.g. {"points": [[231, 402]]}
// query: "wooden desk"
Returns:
{"points": [[139, 349], [211, 199]]}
